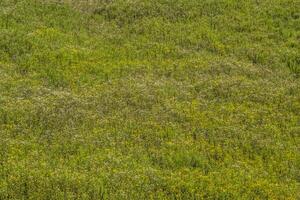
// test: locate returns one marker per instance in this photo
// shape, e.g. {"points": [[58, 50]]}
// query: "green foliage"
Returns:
{"points": [[144, 99]]}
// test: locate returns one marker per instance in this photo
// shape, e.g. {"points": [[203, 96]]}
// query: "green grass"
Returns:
{"points": [[144, 99]]}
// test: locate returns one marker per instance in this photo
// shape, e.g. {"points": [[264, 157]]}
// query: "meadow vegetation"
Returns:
{"points": [[149, 99]]}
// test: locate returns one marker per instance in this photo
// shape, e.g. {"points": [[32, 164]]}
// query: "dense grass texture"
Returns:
{"points": [[149, 99]]}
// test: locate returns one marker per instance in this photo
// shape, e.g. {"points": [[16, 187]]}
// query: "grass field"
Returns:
{"points": [[149, 99]]}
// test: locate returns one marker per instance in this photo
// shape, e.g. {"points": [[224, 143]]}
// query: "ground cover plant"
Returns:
{"points": [[144, 99]]}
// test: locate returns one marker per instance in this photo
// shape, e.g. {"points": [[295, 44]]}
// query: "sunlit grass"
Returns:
{"points": [[168, 99]]}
